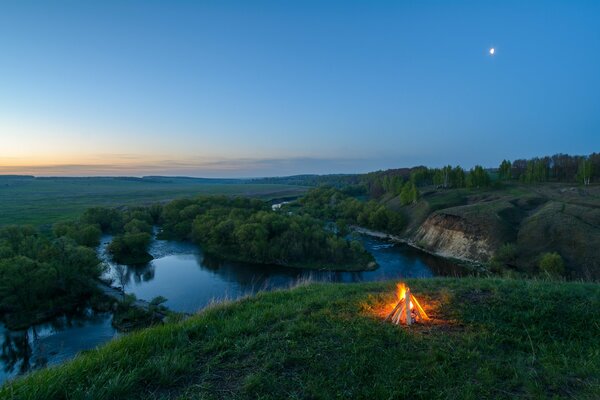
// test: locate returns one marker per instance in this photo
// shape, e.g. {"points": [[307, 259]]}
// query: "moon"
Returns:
{"points": [[492, 51]]}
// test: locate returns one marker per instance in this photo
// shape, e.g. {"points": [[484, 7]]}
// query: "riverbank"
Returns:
{"points": [[471, 265], [191, 281], [329, 341]]}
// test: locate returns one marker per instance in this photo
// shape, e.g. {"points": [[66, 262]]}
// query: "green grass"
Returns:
{"points": [[49, 200], [490, 338]]}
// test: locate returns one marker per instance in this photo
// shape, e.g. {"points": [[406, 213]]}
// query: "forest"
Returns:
{"points": [[42, 276], [244, 229], [337, 205]]}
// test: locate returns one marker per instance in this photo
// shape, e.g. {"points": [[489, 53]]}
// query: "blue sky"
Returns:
{"points": [[276, 88]]}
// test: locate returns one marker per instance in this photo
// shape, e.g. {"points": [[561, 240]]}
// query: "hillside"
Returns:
{"points": [[487, 338], [474, 224]]}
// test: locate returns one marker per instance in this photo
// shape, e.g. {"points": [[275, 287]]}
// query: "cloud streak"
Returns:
{"points": [[131, 165]]}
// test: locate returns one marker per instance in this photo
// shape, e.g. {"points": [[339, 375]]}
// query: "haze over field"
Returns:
{"points": [[242, 90]]}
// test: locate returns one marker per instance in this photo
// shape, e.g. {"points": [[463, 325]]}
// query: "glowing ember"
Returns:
{"points": [[406, 309]]}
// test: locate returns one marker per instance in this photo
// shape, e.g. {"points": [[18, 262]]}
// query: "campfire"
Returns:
{"points": [[407, 309]]}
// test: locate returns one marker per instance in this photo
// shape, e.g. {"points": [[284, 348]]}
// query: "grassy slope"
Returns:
{"points": [[46, 201], [491, 339], [538, 218]]}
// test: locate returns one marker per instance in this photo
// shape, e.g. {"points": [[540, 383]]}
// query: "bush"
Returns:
{"points": [[552, 264], [506, 254], [131, 248]]}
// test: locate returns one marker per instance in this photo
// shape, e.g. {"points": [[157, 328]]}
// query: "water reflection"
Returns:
{"points": [[190, 279], [52, 342]]}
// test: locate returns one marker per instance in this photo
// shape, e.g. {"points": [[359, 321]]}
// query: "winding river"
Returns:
{"points": [[190, 280]]}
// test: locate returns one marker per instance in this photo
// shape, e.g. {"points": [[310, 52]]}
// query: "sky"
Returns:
{"points": [[273, 88]]}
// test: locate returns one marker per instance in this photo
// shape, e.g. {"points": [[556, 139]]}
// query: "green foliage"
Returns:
{"points": [[478, 178], [132, 228], [84, 234], [538, 170], [409, 194], [131, 248], [137, 226], [333, 205], [247, 230], [504, 171], [505, 256], [108, 219], [552, 264], [40, 277], [422, 176], [507, 253], [458, 177], [584, 172], [490, 339], [558, 168]]}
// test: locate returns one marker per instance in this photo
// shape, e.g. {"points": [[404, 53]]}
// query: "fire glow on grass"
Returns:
{"points": [[406, 309]]}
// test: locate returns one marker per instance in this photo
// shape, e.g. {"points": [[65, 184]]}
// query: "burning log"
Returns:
{"points": [[407, 309]]}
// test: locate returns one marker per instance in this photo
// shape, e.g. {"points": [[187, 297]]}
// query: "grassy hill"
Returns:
{"points": [[39, 201], [537, 218], [489, 338]]}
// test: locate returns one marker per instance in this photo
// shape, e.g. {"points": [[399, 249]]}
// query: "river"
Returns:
{"points": [[190, 280]]}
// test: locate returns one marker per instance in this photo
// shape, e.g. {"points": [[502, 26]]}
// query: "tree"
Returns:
{"points": [[584, 173], [505, 170], [458, 177], [446, 176], [478, 177], [131, 248], [409, 194]]}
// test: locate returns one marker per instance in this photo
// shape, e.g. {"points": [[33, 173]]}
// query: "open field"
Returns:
{"points": [[42, 201], [488, 338]]}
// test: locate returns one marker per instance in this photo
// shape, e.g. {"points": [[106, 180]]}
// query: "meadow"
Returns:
{"points": [[487, 338], [44, 201]]}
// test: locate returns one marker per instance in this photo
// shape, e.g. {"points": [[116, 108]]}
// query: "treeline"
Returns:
{"points": [[247, 230], [335, 180], [42, 276], [333, 204], [405, 182], [556, 168]]}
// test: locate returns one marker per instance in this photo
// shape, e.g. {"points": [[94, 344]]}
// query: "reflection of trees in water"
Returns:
{"points": [[256, 277], [124, 274], [141, 273], [209, 262], [16, 352]]}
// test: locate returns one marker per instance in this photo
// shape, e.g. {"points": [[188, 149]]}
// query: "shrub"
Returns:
{"points": [[552, 264]]}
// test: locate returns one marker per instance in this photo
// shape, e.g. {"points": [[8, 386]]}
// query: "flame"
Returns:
{"points": [[401, 289]]}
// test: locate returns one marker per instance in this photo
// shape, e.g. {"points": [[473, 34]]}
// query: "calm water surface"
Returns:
{"points": [[53, 342], [190, 280]]}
